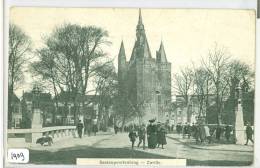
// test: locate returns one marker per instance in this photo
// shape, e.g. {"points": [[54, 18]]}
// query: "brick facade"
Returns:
{"points": [[144, 80]]}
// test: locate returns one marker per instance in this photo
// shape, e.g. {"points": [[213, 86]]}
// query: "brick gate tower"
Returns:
{"points": [[145, 81]]}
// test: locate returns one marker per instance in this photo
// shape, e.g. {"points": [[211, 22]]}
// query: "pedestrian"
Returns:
{"points": [[141, 135], [88, 126], [79, 128], [249, 133], [189, 130], [132, 136], [202, 134], [196, 133], [151, 134], [158, 125], [179, 128], [172, 127], [95, 127], [227, 132], [184, 130], [162, 136], [207, 133], [193, 127], [115, 128], [218, 132]]}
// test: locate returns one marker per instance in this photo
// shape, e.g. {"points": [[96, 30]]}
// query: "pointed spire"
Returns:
{"points": [[140, 20], [140, 25], [122, 49], [121, 55], [161, 54]]}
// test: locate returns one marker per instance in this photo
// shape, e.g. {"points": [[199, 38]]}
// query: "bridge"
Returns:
{"points": [[31, 135]]}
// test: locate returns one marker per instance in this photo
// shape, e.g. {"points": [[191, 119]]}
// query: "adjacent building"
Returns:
{"points": [[16, 111]]}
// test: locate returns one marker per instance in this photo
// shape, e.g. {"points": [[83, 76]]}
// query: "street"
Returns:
{"points": [[118, 146]]}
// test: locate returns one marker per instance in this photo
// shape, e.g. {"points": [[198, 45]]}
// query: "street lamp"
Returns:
{"points": [[36, 92], [238, 94], [158, 93], [36, 117]]}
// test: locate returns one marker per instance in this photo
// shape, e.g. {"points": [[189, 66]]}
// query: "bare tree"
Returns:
{"points": [[183, 83], [19, 47], [217, 68], [74, 54], [105, 80], [47, 69], [201, 89]]}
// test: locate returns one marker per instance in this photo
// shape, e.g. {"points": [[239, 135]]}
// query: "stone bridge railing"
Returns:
{"points": [[31, 135]]}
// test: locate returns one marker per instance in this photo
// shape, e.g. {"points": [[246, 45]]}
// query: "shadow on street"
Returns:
{"points": [[69, 155]]}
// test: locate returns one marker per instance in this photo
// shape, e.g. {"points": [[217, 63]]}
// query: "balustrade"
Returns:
{"points": [[31, 135]]}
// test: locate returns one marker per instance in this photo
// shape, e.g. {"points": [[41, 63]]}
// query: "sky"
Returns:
{"points": [[187, 34]]}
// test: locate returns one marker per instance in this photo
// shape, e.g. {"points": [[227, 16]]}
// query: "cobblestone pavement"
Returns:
{"points": [[118, 146]]}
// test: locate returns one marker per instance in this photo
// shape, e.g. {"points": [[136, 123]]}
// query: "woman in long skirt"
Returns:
{"points": [[162, 136], [151, 135]]}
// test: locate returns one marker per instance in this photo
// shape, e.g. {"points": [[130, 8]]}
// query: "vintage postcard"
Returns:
{"points": [[129, 86]]}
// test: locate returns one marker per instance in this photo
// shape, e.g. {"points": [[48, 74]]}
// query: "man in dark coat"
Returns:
{"points": [[141, 135], [196, 133], [158, 126], [218, 132], [79, 128], [151, 134], [115, 128], [227, 132], [95, 127], [161, 136], [249, 133], [193, 127], [189, 130], [88, 124], [132, 136], [202, 134]]}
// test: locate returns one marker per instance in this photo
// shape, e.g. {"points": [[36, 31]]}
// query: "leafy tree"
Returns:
{"points": [[239, 74]]}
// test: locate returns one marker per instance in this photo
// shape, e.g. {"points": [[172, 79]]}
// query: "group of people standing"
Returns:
{"points": [[89, 127], [204, 133], [155, 133]]}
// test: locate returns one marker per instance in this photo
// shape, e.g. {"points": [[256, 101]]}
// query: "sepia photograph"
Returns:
{"points": [[132, 83]]}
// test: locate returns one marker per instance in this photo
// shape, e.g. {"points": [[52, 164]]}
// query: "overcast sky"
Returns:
{"points": [[187, 34]]}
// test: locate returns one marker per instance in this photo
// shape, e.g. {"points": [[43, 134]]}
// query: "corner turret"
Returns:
{"points": [[160, 55]]}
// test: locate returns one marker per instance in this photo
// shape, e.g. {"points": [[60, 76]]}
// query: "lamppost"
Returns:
{"points": [[35, 92], [36, 116], [158, 93]]}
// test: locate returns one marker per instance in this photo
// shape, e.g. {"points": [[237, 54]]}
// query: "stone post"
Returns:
{"points": [[36, 125], [239, 122], [36, 117]]}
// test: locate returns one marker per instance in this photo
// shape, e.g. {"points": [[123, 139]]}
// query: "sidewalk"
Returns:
{"points": [[66, 143], [213, 146]]}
